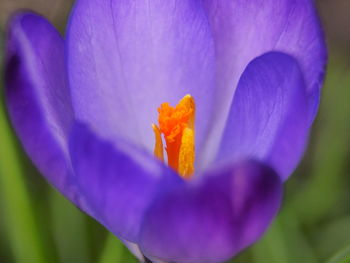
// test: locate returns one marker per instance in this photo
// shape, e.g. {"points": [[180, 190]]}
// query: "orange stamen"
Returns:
{"points": [[158, 147], [177, 126]]}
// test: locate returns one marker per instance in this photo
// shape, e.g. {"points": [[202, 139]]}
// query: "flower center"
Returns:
{"points": [[176, 124]]}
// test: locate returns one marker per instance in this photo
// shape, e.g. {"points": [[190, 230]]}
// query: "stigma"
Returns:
{"points": [[176, 124]]}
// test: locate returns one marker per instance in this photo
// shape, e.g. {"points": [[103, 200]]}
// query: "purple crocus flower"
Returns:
{"points": [[83, 108]]}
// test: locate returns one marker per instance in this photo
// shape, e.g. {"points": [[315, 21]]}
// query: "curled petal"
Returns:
{"points": [[38, 98], [246, 29], [268, 118], [117, 180], [212, 219]]}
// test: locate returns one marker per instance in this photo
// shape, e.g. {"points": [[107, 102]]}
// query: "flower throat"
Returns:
{"points": [[176, 124]]}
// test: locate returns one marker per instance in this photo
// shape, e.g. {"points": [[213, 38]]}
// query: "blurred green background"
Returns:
{"points": [[37, 225]]}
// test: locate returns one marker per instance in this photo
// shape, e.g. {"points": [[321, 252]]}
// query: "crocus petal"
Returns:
{"points": [[126, 57], [117, 180], [38, 98], [211, 220], [244, 30], [268, 117]]}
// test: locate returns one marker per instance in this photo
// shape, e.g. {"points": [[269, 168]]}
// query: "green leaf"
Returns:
{"points": [[343, 256], [284, 242], [272, 248], [113, 250], [70, 230], [325, 185]]}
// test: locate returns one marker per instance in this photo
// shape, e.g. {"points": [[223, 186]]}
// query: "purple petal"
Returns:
{"points": [[38, 98], [268, 119], [127, 57], [211, 220], [118, 181], [244, 30]]}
